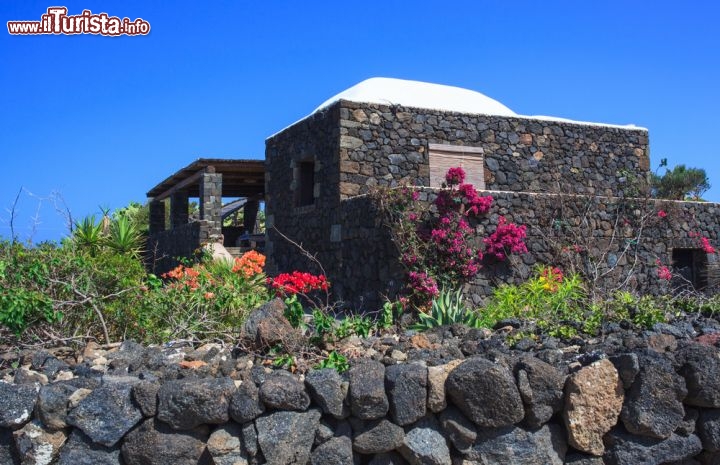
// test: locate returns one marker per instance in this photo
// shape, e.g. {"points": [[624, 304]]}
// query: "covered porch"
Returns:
{"points": [[180, 232]]}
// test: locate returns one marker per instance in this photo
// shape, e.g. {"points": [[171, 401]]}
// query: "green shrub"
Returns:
{"points": [[75, 292], [554, 301], [203, 301]]}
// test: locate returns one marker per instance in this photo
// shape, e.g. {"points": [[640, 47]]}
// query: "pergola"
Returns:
{"points": [[209, 179]]}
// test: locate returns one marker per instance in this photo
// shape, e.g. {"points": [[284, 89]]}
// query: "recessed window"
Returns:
{"points": [[690, 267], [444, 156], [305, 191]]}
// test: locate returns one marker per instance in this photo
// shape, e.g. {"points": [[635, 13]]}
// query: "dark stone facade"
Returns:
{"points": [[541, 173], [382, 145]]}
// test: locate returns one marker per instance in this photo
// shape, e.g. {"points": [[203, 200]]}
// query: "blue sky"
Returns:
{"points": [[101, 120]]}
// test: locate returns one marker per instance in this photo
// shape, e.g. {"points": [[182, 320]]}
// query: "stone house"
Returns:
{"points": [[541, 171]]}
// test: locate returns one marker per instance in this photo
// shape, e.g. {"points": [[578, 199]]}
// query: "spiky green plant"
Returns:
{"points": [[447, 308], [88, 234], [124, 237]]}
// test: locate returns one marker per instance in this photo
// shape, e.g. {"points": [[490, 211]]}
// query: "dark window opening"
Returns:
{"points": [[305, 194], [690, 267]]}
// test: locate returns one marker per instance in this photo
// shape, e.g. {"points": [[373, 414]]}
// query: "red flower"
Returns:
{"points": [[662, 214], [298, 283]]}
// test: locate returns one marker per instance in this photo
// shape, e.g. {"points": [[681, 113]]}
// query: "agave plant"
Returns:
{"points": [[88, 234], [447, 308], [124, 237]]}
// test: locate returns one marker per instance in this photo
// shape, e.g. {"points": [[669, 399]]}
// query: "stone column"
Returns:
{"points": [[157, 216], [179, 209], [211, 201], [250, 215]]}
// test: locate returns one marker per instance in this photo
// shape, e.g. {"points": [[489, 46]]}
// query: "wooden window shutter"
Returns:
{"points": [[444, 156]]}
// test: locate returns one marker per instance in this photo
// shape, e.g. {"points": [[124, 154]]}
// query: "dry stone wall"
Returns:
{"points": [[383, 145], [449, 396], [615, 241], [164, 247]]}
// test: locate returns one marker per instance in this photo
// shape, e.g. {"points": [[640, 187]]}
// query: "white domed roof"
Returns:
{"points": [[389, 91]]}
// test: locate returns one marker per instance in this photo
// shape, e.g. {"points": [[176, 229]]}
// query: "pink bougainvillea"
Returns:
{"points": [[704, 242], [507, 238], [438, 243], [707, 247], [422, 283], [455, 176]]}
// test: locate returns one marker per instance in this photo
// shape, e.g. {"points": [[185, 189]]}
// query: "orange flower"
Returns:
{"points": [[209, 295], [250, 264], [175, 273]]}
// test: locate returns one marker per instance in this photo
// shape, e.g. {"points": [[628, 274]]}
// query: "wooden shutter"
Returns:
{"points": [[443, 157]]}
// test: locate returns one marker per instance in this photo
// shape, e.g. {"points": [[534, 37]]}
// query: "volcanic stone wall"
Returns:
{"points": [[164, 247], [356, 147], [313, 140], [451, 397], [383, 145]]}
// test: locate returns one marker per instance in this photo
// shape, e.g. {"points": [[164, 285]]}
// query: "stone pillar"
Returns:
{"points": [[211, 201], [250, 215], [179, 209], [157, 216]]}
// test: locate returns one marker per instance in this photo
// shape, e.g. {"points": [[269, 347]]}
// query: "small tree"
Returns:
{"points": [[680, 183]]}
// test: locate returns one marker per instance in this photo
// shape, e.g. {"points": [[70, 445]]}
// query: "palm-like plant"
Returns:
{"points": [[88, 234], [124, 237]]}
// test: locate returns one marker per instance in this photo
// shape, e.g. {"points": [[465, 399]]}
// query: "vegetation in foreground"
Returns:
{"points": [[93, 286]]}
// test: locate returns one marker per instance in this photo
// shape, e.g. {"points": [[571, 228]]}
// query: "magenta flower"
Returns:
{"points": [[455, 176]]}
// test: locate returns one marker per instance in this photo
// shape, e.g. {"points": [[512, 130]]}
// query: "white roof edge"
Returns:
{"points": [[423, 95]]}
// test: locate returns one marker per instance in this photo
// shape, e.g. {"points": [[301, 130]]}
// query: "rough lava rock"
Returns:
{"points": [[8, 452], [541, 388], [486, 393], [461, 431], [593, 401], [336, 451], [326, 389], [52, 404], [700, 366], [155, 443], [437, 375], [708, 428], [80, 450], [653, 404], [377, 436], [286, 437], [267, 327], [188, 403], [626, 449], [18, 402], [145, 395], [282, 392], [245, 403], [406, 387], [368, 400], [225, 445], [518, 446], [106, 414], [425, 446], [37, 445]]}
